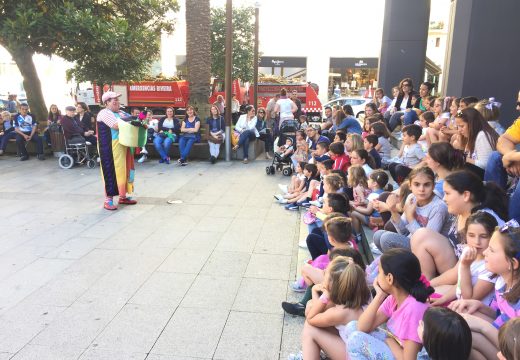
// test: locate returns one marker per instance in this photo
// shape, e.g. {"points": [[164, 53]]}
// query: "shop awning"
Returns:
{"points": [[432, 68]]}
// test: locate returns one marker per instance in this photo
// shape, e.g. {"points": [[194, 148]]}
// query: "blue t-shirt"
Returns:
{"points": [[215, 125], [377, 158], [438, 188], [322, 138], [191, 125], [25, 124], [351, 125]]}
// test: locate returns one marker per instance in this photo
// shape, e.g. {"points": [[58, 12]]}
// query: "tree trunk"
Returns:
{"points": [[198, 57], [31, 83]]}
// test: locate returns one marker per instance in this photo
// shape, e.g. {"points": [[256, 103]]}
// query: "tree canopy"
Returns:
{"points": [[243, 42], [106, 40]]}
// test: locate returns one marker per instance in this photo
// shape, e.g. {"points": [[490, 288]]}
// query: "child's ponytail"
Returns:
{"points": [[406, 271]]}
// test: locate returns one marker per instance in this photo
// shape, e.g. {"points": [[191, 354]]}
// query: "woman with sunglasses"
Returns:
{"points": [[264, 131], [404, 101]]}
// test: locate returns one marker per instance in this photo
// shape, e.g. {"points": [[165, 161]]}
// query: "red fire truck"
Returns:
{"points": [[158, 95]]}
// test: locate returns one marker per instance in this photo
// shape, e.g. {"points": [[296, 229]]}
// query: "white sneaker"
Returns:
{"points": [[315, 203], [142, 159], [303, 244], [144, 151], [278, 197], [284, 188], [283, 201]]}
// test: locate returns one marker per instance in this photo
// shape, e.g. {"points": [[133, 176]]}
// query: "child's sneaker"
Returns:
{"points": [[375, 250], [284, 188], [298, 356], [315, 203], [292, 207], [278, 197], [298, 286], [303, 244]]}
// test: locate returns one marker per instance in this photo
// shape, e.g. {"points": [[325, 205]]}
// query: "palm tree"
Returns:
{"points": [[198, 48]]}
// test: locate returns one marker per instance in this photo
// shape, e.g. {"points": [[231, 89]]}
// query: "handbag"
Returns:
{"points": [[376, 223], [235, 136]]}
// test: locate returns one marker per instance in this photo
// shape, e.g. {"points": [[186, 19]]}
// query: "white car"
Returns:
{"points": [[357, 103]]}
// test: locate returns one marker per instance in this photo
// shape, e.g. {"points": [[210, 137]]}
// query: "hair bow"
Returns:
{"points": [[492, 103], [511, 224]]}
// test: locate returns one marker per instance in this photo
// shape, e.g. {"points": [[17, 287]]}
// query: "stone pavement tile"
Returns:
{"points": [[185, 261], [274, 244], [170, 357], [246, 226], [167, 236], [23, 322], [195, 211], [265, 266], [96, 354], [201, 240], [260, 296], [19, 257], [250, 336], [104, 229], [192, 332], [236, 240], [97, 262], [212, 292], [5, 356], [134, 329], [121, 283], [232, 198], [27, 280], [292, 335], [41, 352], [203, 199], [224, 211], [128, 237], [74, 248], [57, 235], [78, 325], [251, 211], [216, 224], [163, 289], [226, 263], [260, 200]]}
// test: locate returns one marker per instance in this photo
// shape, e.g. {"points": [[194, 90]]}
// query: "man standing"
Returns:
{"points": [[26, 128], [117, 161], [506, 161], [271, 114], [294, 98], [327, 122]]}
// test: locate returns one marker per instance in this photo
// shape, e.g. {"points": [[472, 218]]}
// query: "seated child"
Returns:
{"points": [[341, 160], [340, 137], [362, 213], [469, 279], [339, 232], [309, 172], [425, 119], [286, 150], [297, 181], [321, 153], [302, 149], [383, 147], [370, 142], [295, 200], [357, 180], [298, 308], [410, 155]]}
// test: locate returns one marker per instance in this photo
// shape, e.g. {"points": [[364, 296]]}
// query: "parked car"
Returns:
{"points": [[357, 103]]}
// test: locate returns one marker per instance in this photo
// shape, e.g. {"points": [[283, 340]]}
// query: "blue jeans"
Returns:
{"points": [[162, 145], [392, 121], [185, 144], [9, 134], [495, 172], [243, 141], [410, 117]]}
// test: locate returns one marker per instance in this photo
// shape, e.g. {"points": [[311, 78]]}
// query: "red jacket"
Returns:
{"points": [[341, 162]]}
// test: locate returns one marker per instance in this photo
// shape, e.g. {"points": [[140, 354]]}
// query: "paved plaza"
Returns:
{"points": [[198, 280]]}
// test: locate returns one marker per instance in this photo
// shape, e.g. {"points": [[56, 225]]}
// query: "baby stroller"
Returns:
{"points": [[283, 163], [76, 152]]}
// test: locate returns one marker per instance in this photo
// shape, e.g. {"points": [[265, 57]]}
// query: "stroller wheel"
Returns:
{"points": [[66, 161], [268, 170], [91, 163], [273, 170], [287, 171]]}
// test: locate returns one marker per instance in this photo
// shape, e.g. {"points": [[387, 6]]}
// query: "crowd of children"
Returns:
{"points": [[445, 281]]}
